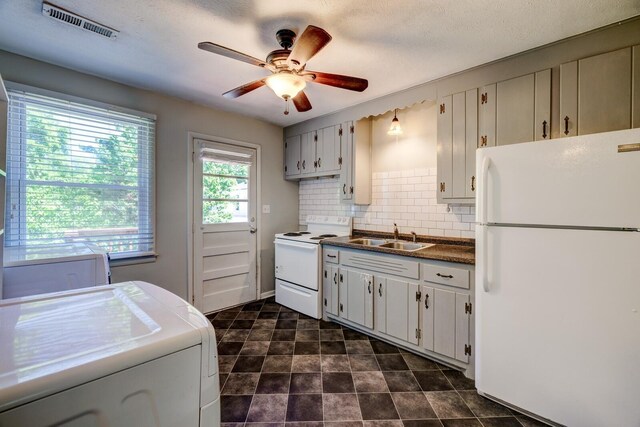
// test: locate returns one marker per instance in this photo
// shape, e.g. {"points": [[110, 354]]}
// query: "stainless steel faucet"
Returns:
{"points": [[395, 231], [415, 236]]}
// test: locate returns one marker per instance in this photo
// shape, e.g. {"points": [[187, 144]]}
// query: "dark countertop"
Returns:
{"points": [[450, 249]]}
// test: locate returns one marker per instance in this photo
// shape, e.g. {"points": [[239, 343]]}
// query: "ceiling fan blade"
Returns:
{"points": [[312, 40], [337, 80], [230, 53], [244, 89], [301, 102]]}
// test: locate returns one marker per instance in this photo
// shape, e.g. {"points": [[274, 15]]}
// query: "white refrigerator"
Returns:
{"points": [[558, 277]]}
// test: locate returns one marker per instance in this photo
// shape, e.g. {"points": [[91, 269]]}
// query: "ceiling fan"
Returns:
{"points": [[289, 76]]}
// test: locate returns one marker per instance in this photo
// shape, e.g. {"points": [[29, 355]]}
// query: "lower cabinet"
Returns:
{"points": [[432, 314]]}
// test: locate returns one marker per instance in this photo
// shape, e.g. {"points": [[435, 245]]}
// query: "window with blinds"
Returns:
{"points": [[78, 171]]}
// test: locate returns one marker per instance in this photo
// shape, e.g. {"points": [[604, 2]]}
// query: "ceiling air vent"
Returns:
{"points": [[62, 15]]}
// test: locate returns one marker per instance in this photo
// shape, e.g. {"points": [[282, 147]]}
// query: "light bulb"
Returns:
{"points": [[395, 128], [285, 84]]}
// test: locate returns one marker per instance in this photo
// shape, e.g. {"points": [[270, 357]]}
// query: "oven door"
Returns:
{"points": [[298, 263]]}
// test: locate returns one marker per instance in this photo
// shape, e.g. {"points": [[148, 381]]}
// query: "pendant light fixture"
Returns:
{"points": [[395, 128]]}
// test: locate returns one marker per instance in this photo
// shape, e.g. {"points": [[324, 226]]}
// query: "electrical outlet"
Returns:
{"points": [[266, 209]]}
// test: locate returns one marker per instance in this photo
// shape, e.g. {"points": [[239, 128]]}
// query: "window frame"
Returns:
{"points": [[123, 258]]}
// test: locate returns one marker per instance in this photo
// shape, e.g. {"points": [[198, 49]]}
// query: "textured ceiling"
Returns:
{"points": [[394, 44]]}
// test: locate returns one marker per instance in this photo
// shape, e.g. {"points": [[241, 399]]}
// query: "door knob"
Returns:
{"points": [[252, 230]]}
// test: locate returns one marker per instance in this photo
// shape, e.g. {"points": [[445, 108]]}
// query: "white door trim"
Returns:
{"points": [[191, 137]]}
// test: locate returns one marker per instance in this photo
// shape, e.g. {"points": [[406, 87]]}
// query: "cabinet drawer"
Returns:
{"points": [[446, 275], [381, 263], [331, 255]]}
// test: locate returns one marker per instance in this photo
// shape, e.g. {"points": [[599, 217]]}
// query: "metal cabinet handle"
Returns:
{"points": [[341, 308], [444, 276], [335, 278], [325, 302], [344, 189], [298, 165], [426, 301], [369, 287], [325, 274], [544, 129], [319, 161], [331, 256], [566, 125], [380, 289], [304, 164], [473, 183]]}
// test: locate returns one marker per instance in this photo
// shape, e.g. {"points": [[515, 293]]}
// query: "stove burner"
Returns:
{"points": [[324, 236], [316, 238], [304, 232], [292, 234]]}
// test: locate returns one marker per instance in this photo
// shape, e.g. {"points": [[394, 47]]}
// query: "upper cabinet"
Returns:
{"points": [[343, 149], [507, 112], [600, 93]]}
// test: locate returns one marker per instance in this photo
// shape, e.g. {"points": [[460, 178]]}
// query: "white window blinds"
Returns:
{"points": [[79, 173]]}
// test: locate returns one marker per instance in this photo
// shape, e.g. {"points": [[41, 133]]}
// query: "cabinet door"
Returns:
{"points": [[292, 156], [335, 292], [459, 145], [445, 148], [327, 287], [308, 153], [463, 319], [398, 303], [635, 103], [346, 174], [413, 313], [515, 99], [604, 92], [361, 162], [427, 317], [569, 99], [355, 300], [380, 304], [368, 300], [471, 141], [487, 116], [343, 294], [444, 317], [326, 148], [542, 120]]}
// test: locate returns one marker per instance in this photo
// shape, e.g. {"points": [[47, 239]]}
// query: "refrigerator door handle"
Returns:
{"points": [[482, 190], [484, 257]]}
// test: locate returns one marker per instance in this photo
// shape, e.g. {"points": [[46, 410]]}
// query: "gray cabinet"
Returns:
{"points": [[330, 289], [308, 160], [487, 116], [292, 166], [354, 299], [457, 143], [402, 302], [596, 93], [380, 304], [328, 149], [355, 175], [523, 108]]}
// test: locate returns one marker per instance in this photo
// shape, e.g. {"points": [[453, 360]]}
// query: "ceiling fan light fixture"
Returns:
{"points": [[395, 128], [286, 85]]}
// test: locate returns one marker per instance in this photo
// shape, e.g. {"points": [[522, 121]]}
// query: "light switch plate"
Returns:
{"points": [[266, 209]]}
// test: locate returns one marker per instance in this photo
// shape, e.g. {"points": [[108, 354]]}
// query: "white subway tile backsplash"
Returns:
{"points": [[406, 197]]}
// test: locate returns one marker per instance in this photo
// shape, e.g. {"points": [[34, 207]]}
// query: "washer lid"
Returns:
{"points": [[52, 342]]}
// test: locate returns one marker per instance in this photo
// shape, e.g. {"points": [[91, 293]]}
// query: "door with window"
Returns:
{"points": [[225, 259]]}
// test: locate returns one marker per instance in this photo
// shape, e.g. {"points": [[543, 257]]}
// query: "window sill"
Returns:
{"points": [[143, 259]]}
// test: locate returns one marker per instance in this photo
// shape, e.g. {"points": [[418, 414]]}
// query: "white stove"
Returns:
{"points": [[298, 263]]}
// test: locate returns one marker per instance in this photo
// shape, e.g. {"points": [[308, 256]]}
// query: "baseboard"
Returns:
{"points": [[267, 294]]}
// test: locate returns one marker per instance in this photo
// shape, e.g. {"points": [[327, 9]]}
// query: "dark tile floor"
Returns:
{"points": [[281, 368]]}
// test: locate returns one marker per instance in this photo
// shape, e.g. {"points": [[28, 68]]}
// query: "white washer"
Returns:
{"points": [[129, 354]]}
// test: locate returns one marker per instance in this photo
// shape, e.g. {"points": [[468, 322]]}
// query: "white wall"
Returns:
{"points": [[175, 118]]}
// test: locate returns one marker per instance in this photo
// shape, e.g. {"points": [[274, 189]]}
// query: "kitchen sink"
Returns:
{"points": [[368, 242], [406, 246]]}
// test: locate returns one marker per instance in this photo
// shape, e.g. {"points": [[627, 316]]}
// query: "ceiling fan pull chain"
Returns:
{"points": [[286, 106]]}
